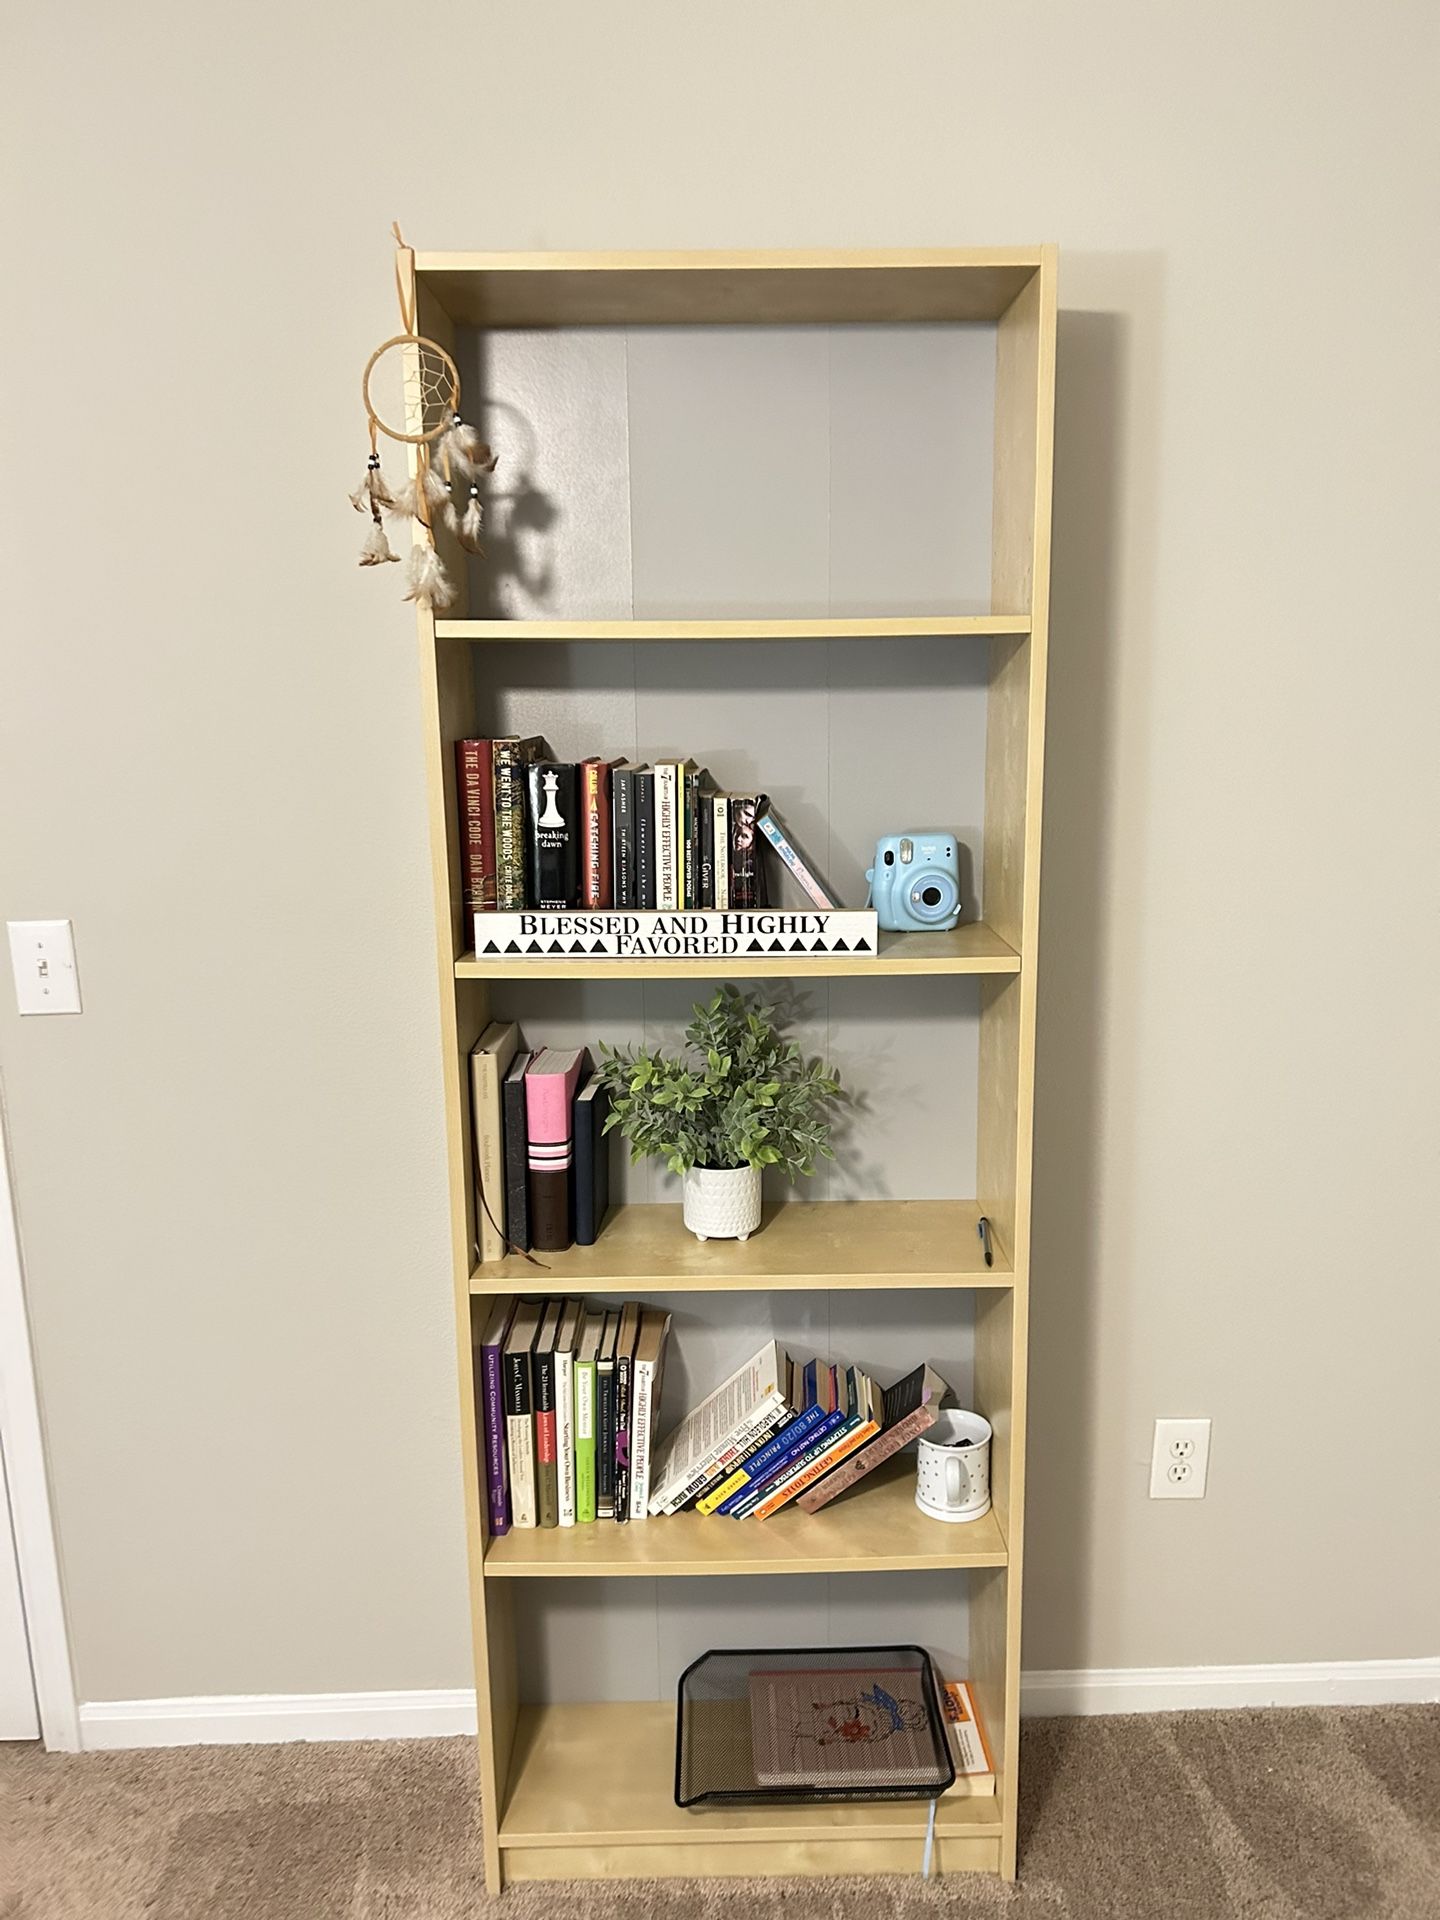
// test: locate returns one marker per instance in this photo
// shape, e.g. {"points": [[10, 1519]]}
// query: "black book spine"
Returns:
{"points": [[707, 851], [582, 1209], [517, 1161], [691, 828], [745, 885], [622, 802], [605, 1440], [645, 841], [515, 1382], [624, 1367], [552, 832]]}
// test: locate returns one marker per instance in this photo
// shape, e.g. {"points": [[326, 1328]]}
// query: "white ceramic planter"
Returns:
{"points": [[722, 1203]]}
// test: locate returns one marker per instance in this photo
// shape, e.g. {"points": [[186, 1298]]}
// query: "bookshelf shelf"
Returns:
{"points": [[973, 948], [586, 1790], [875, 1528], [572, 1812], [821, 627], [850, 1245]]}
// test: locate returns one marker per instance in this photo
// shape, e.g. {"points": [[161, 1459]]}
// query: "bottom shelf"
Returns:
{"points": [[592, 1796]]}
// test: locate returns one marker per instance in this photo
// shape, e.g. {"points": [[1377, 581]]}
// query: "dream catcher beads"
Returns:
{"points": [[411, 390]]}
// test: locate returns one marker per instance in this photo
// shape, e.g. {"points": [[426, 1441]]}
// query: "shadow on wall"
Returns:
{"points": [[1104, 469]]}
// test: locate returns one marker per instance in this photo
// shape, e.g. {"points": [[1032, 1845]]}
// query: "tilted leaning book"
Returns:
{"points": [[490, 1393], [861, 1422], [908, 1408], [736, 1408], [780, 840], [489, 1063]]}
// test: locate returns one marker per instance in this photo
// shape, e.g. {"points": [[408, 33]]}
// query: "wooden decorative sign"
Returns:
{"points": [[691, 935]]}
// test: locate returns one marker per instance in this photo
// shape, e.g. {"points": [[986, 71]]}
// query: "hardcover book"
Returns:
{"points": [[510, 757], [720, 811], [707, 852], [587, 1344], [605, 1419], [669, 848], [906, 1410], [778, 837], [746, 875], [520, 1412], [490, 1393], [475, 767], [645, 1404], [622, 834], [552, 817], [565, 1338], [595, 832], [489, 1063], [724, 1419], [592, 1161], [549, 1098], [694, 782], [542, 1361], [624, 1384], [835, 1728], [517, 1153], [643, 790]]}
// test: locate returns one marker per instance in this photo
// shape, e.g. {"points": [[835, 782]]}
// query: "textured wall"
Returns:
{"points": [[230, 1170]]}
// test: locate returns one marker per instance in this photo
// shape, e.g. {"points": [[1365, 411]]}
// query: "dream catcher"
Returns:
{"points": [[411, 389]]}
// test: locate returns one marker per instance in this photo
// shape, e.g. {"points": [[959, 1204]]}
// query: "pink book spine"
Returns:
{"points": [[549, 1098]]}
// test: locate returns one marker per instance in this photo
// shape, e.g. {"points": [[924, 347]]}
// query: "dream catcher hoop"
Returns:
{"points": [[420, 410]]}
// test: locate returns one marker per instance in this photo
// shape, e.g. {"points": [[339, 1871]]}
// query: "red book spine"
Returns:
{"points": [[477, 824], [545, 1451], [595, 882]]}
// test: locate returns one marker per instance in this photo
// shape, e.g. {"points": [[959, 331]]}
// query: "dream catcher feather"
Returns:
{"points": [[411, 390]]}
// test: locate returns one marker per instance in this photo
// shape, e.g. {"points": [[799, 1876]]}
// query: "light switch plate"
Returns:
{"points": [[42, 957]]}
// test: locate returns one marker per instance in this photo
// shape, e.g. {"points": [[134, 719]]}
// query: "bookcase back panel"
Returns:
{"points": [[851, 739], [907, 1051], [632, 1639], [735, 472]]}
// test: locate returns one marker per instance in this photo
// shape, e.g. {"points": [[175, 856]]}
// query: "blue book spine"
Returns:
{"points": [[814, 1442], [787, 1442], [812, 1397]]}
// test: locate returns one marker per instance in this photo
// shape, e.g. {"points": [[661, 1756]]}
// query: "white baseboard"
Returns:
{"points": [[270, 1718], [240, 1719], [1310, 1683]]}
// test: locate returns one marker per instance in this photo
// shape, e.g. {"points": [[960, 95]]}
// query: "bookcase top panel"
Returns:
{"points": [[689, 289]]}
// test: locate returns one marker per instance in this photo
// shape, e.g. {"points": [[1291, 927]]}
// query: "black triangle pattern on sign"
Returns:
{"points": [[512, 946], [777, 946], [799, 945], [489, 947], [555, 946], [841, 946], [598, 947], [863, 946], [577, 946], [755, 947]]}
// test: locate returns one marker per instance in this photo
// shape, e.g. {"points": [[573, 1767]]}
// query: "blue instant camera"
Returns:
{"points": [[915, 882]]}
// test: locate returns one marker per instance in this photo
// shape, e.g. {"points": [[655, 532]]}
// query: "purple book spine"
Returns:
{"points": [[497, 1483]]}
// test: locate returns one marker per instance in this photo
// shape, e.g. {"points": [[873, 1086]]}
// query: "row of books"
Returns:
{"points": [[780, 1430], [542, 1157], [551, 834], [569, 1396]]}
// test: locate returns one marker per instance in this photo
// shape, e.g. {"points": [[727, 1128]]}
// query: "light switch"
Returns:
{"points": [[42, 956]]}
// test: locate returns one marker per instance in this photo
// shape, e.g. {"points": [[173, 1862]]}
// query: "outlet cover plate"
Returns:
{"points": [[1180, 1460]]}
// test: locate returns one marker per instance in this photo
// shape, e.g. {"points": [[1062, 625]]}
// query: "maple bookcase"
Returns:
{"points": [[585, 1789]]}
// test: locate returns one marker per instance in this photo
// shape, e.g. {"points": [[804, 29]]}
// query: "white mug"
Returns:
{"points": [[952, 1482]]}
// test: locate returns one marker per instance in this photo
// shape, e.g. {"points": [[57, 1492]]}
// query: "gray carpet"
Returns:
{"points": [[1317, 1814]]}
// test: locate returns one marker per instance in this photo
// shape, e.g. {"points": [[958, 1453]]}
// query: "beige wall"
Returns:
{"points": [[230, 1170]]}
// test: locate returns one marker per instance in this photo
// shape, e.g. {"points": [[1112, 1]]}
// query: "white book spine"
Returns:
{"points": [[520, 1446], [671, 1497], [667, 839], [565, 1435], [722, 852], [641, 1410]]}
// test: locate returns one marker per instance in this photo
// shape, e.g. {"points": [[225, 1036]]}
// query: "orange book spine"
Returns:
{"points": [[856, 1438]]}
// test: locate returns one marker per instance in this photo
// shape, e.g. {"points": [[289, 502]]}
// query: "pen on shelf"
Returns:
{"points": [[983, 1229]]}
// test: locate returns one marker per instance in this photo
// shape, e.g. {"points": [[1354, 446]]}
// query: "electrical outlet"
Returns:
{"points": [[1180, 1460], [42, 957]]}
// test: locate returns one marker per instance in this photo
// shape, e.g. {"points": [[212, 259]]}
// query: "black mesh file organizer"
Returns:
{"points": [[801, 1724]]}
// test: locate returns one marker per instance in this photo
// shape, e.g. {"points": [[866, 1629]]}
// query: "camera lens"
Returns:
{"points": [[931, 896]]}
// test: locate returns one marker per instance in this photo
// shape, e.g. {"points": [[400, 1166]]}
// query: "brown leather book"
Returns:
{"points": [[549, 1110]]}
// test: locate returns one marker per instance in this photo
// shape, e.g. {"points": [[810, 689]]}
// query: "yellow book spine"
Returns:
{"points": [[723, 1492]]}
